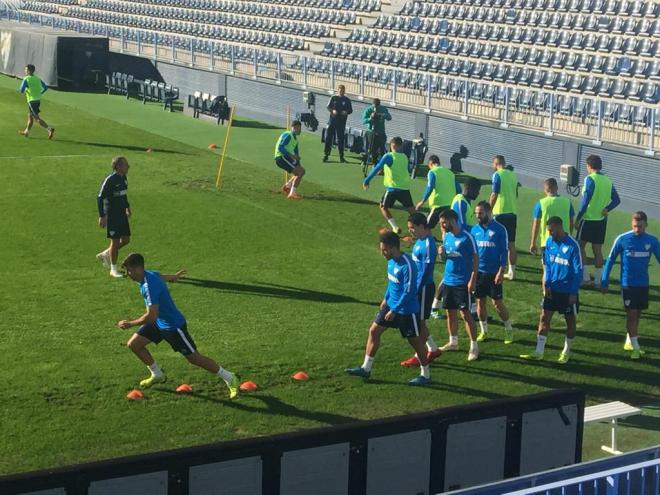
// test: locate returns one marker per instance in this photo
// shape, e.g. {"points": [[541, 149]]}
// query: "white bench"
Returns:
{"points": [[612, 412]]}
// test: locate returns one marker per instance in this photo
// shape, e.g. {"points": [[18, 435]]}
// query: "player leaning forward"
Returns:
{"points": [[287, 157], [163, 321]]}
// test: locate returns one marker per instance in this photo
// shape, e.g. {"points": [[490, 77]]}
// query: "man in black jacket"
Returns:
{"points": [[340, 108]]}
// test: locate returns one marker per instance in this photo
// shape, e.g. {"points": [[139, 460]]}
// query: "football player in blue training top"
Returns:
{"points": [[636, 248], [163, 321], [399, 309], [562, 272]]}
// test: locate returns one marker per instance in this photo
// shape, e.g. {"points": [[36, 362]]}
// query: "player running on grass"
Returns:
{"points": [[493, 248], [441, 187], [396, 179], [163, 321], [562, 270], [34, 87], [636, 248], [114, 212], [287, 157], [424, 254], [399, 309]]}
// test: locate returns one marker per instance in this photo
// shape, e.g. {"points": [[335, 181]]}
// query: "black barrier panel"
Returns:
{"points": [[369, 457]]}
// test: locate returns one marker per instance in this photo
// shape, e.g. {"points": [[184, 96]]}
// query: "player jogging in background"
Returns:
{"points": [[599, 197], [553, 205], [287, 157], [424, 254], [503, 199], [636, 248], [459, 252], [492, 247], [441, 187], [462, 203], [562, 268], [163, 321], [114, 212], [399, 309], [33, 87], [396, 179]]}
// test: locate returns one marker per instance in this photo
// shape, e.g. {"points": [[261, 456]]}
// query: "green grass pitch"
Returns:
{"points": [[274, 287]]}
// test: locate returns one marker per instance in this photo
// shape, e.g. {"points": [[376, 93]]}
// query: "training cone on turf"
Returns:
{"points": [[184, 388], [149, 150], [248, 386], [301, 376], [212, 146], [135, 395]]}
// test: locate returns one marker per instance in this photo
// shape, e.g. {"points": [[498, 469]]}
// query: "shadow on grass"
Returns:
{"points": [[274, 290], [253, 124], [341, 199], [120, 146]]}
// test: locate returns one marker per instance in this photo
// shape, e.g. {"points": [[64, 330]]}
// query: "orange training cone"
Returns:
{"points": [[248, 386], [212, 146], [135, 395], [184, 388], [301, 376]]}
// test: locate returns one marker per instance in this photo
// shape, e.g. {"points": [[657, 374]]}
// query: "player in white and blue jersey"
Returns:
{"points": [[636, 248], [424, 254], [562, 273], [163, 321], [399, 309], [493, 248], [459, 252]]}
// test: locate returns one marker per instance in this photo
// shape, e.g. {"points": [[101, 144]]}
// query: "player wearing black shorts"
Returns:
{"points": [[503, 201], [396, 179], [287, 157], [114, 212], [441, 187], [399, 309], [34, 88], [562, 270]]}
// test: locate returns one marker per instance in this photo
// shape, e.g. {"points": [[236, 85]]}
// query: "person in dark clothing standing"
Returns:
{"points": [[340, 108], [374, 118]]}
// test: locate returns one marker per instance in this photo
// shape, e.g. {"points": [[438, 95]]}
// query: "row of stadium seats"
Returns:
{"points": [[439, 24], [350, 5], [636, 8]]}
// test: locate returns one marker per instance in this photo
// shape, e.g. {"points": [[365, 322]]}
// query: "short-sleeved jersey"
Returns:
{"points": [[401, 293], [562, 262], [636, 252], [113, 196], [492, 246], [424, 255], [459, 249], [154, 291]]}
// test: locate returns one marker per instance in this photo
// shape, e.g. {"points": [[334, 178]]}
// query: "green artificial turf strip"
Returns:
{"points": [[275, 286]]}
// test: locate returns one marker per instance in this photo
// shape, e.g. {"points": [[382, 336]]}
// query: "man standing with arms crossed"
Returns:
{"points": [[599, 197], [340, 108], [503, 199], [287, 157], [636, 248], [33, 87], [553, 205]]}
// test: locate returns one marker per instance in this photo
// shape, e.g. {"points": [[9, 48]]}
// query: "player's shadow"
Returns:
{"points": [[253, 124], [341, 199], [120, 146], [274, 290]]}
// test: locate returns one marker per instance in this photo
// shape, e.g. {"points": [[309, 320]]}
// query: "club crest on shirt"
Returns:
{"points": [[647, 246], [564, 249], [491, 233], [626, 302], [396, 270], [457, 242]]}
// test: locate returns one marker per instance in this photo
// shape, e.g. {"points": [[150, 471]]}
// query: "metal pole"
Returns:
{"points": [[232, 58], [651, 150], [428, 94], [332, 76], [211, 54], [279, 68], [505, 124], [139, 43], [466, 96], [192, 52], [362, 71], [304, 69], [599, 125], [551, 117], [122, 39], [155, 46], [173, 50], [254, 76]]}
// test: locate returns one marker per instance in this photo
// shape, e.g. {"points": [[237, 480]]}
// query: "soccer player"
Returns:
{"points": [[459, 252], [441, 187], [340, 108], [562, 267], [492, 246], [636, 248], [503, 199], [287, 157], [553, 205], [399, 309], [599, 197], [462, 203], [424, 255], [34, 87], [396, 179], [163, 321], [114, 212]]}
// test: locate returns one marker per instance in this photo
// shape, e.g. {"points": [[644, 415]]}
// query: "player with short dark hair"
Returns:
{"points": [[441, 187], [287, 157], [462, 203], [424, 254], [599, 197], [399, 309], [163, 321], [492, 246], [459, 252], [636, 248], [503, 199], [553, 205], [114, 212], [34, 88], [396, 179], [340, 108], [562, 267]]}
